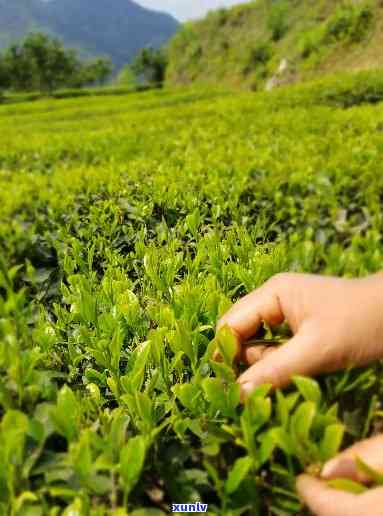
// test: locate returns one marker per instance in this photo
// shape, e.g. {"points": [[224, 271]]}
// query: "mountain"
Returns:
{"points": [[266, 43], [117, 28]]}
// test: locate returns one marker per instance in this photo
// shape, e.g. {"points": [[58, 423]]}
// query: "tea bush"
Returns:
{"points": [[342, 90], [128, 224]]}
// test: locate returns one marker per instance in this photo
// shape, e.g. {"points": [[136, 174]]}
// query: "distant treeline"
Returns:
{"points": [[42, 63]]}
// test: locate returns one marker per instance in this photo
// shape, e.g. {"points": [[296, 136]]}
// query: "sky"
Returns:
{"points": [[187, 9]]}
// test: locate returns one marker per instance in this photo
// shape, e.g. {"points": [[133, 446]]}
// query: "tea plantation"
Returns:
{"points": [[128, 224]]}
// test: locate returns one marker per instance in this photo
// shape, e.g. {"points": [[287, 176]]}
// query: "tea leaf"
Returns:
{"points": [[348, 485], [189, 395], [227, 345], [14, 428], [215, 394], [371, 473], [132, 459], [237, 474], [302, 420], [66, 414], [331, 441], [308, 388]]}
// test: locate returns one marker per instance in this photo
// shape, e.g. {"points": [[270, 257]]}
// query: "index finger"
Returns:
{"points": [[247, 315]]}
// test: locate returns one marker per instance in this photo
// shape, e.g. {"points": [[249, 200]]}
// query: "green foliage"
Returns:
{"points": [[126, 77], [149, 66], [245, 45], [348, 24], [261, 54], [348, 485], [239, 472], [342, 90], [95, 72], [278, 19], [375, 476], [332, 441], [132, 460], [308, 388], [128, 226], [257, 59], [41, 63]]}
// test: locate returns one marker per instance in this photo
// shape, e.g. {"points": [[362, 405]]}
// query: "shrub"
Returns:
{"points": [[342, 90], [278, 20], [257, 57], [126, 77], [349, 23], [149, 66], [362, 24], [310, 42], [221, 17], [261, 53]]}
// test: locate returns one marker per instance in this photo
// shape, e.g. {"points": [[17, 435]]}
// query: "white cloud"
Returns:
{"points": [[187, 9]]}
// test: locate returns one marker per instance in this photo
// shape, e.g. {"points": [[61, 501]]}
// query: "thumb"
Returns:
{"points": [[344, 465], [300, 355], [325, 501]]}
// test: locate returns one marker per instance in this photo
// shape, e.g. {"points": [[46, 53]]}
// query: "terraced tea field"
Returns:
{"points": [[128, 224]]}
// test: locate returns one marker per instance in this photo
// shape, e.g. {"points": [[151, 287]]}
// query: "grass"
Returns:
{"points": [[128, 224]]}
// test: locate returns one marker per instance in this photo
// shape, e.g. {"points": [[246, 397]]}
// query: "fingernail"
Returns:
{"points": [[329, 468], [247, 388]]}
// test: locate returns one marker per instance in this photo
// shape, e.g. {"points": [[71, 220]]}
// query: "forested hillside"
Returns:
{"points": [[270, 42], [117, 28]]}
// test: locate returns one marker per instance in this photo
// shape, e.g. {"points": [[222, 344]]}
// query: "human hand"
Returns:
{"points": [[336, 323], [323, 500]]}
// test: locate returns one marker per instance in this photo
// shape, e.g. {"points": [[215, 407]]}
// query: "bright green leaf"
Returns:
{"points": [[331, 441], [308, 388], [237, 474], [132, 459], [345, 484]]}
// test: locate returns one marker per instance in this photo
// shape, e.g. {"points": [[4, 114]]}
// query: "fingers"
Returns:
{"points": [[371, 502], [300, 355], [369, 450], [323, 500], [326, 501], [246, 316], [251, 355]]}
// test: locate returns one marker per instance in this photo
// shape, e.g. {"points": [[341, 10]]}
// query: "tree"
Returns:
{"points": [[92, 72], [21, 71], [150, 66], [4, 75], [39, 63], [54, 64], [103, 68], [98, 71], [42, 63], [127, 77]]}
